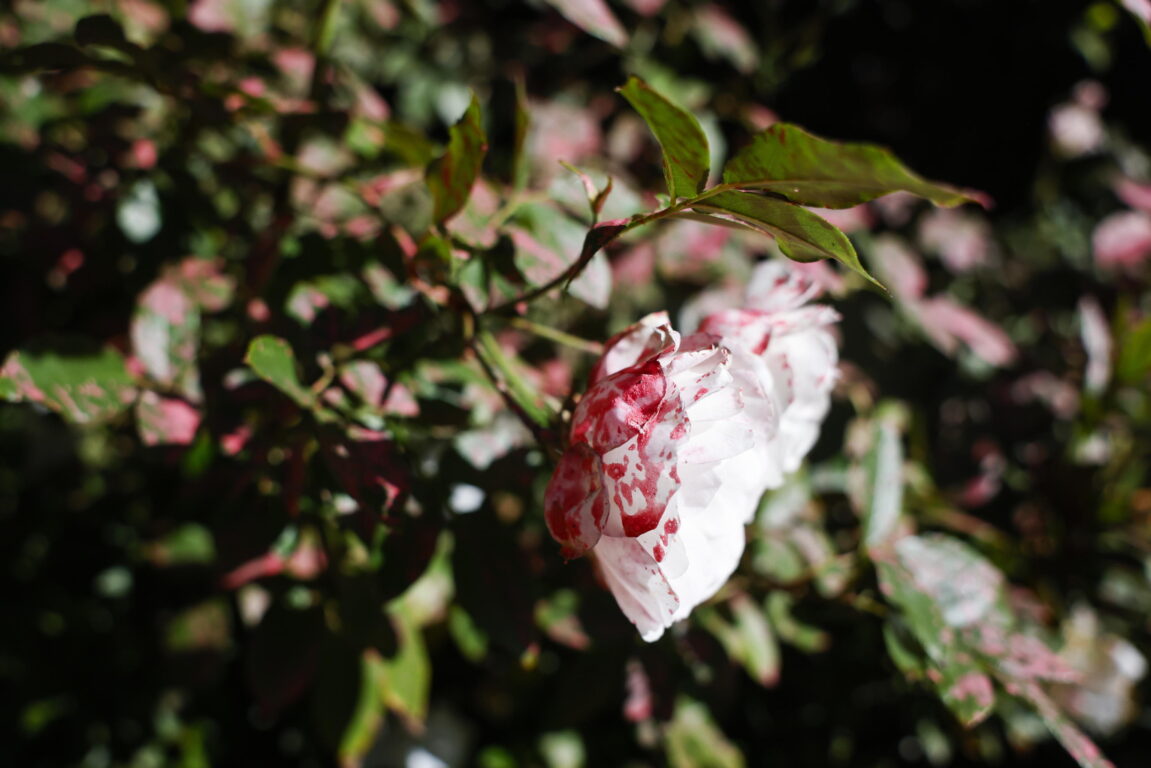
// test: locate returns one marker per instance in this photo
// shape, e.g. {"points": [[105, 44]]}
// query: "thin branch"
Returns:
{"points": [[556, 335]]}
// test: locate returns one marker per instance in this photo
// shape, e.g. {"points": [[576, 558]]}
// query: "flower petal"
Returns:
{"points": [[650, 337], [619, 407], [574, 503], [643, 592]]}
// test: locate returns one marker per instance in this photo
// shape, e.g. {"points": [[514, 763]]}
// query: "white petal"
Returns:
{"points": [[644, 595]]}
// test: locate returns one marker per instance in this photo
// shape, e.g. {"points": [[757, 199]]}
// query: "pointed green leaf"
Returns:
{"points": [[451, 176], [274, 361], [760, 647], [84, 388], [346, 707], [792, 163], [748, 640], [525, 396], [882, 491], [791, 630], [693, 739], [801, 234], [902, 649], [685, 149], [404, 680]]}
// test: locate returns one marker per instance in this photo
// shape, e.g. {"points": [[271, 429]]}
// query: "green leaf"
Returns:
{"points": [[273, 360], [791, 630], [684, 145], [797, 166], [404, 680], [964, 586], [955, 672], [84, 388], [451, 176], [470, 639], [761, 649], [693, 739], [882, 492], [748, 640], [902, 650], [966, 690], [1134, 353], [347, 709], [801, 234], [513, 382]]}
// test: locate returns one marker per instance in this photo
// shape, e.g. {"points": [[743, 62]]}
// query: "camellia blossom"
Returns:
{"points": [[678, 437]]}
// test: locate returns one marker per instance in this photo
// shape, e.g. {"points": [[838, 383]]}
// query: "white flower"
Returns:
{"points": [[677, 438]]}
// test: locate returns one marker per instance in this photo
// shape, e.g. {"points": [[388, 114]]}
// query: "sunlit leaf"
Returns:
{"points": [[451, 176], [404, 680], [693, 740], [881, 495], [961, 583], [274, 361], [346, 706], [791, 630], [787, 161], [529, 401], [748, 639], [470, 639], [84, 388], [684, 145], [801, 234]]}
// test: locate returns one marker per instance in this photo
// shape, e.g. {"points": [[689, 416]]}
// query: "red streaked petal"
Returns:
{"points": [[574, 504]]}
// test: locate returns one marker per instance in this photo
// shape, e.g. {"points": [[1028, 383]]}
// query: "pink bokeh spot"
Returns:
{"points": [[1122, 241]]}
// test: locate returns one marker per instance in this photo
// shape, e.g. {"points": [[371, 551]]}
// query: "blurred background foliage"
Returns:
{"points": [[266, 510]]}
